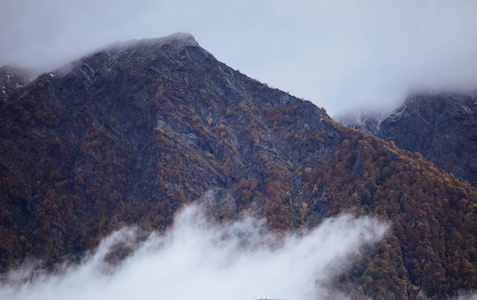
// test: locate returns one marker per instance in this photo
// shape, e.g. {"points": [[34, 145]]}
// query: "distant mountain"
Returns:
{"points": [[442, 127], [131, 133]]}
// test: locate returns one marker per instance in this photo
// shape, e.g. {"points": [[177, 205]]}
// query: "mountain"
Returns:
{"points": [[442, 127], [129, 134]]}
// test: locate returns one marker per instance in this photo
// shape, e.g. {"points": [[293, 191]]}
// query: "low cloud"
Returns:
{"points": [[199, 260], [343, 55]]}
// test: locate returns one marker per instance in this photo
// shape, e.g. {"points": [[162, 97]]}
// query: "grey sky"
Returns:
{"points": [[342, 55]]}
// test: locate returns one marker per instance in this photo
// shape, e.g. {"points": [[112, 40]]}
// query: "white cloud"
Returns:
{"points": [[198, 260]]}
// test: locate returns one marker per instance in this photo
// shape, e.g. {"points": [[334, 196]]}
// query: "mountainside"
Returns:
{"points": [[12, 79], [442, 127], [129, 134]]}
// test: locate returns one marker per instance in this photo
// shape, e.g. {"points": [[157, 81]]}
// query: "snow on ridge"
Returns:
{"points": [[399, 113]]}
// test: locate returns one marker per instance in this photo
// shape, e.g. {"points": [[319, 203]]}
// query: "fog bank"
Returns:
{"points": [[198, 260]]}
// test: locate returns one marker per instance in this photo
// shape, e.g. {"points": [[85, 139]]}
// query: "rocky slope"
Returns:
{"points": [[442, 127], [12, 79], [129, 134]]}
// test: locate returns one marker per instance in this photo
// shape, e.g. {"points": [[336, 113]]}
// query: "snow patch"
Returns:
{"points": [[467, 110], [399, 113]]}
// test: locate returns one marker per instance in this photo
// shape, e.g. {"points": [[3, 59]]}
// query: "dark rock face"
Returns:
{"points": [[129, 134], [12, 79], [442, 127]]}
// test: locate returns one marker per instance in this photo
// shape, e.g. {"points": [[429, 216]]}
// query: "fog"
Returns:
{"points": [[343, 55], [198, 260]]}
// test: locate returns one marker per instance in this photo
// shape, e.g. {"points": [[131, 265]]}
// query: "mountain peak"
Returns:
{"points": [[176, 39], [179, 39], [102, 57]]}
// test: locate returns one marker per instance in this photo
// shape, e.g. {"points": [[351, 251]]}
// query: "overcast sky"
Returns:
{"points": [[342, 55]]}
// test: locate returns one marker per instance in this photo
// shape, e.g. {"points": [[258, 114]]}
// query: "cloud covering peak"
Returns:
{"points": [[342, 54]]}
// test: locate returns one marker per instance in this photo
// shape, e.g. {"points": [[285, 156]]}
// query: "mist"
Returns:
{"points": [[343, 55], [196, 259]]}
